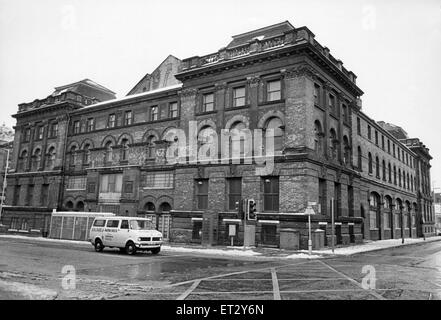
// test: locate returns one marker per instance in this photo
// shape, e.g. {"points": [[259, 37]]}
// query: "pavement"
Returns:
{"points": [[45, 269]]}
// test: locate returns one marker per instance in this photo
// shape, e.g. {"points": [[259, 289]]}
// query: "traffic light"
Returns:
{"points": [[251, 209], [239, 209]]}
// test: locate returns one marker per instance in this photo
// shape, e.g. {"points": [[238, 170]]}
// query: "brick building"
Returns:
{"points": [[86, 151]]}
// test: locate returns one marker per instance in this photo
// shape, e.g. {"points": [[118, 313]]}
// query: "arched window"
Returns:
{"points": [[80, 206], [237, 142], [165, 207], [151, 146], [333, 144], [86, 154], [206, 136], [377, 167], [69, 205], [36, 160], [108, 152], [318, 137], [124, 149], [398, 210], [360, 159], [387, 215], [347, 151], [277, 125], [149, 206], [374, 211], [23, 161], [50, 158], [370, 162], [73, 150]]}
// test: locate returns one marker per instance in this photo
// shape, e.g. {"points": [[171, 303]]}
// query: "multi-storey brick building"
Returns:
{"points": [[90, 152]]}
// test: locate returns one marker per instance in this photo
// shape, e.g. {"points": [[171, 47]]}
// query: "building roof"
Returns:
{"points": [[87, 82], [261, 33]]}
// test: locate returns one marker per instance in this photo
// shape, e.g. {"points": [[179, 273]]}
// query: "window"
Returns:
{"points": [[30, 197], [399, 153], [389, 169], [239, 97], [346, 151], [345, 113], [234, 192], [202, 194], [54, 130], [395, 175], [159, 180], [277, 126], [384, 170], [388, 146], [108, 152], [23, 161], [112, 224], [27, 135], [387, 213], [377, 167], [39, 133], [376, 137], [274, 91], [271, 194], [393, 149], [337, 197], [322, 196], [399, 177], [151, 146], [76, 183], [76, 128], [128, 118], [207, 102], [382, 142], [351, 200], [91, 187], [36, 160], [124, 224], [374, 212], [154, 113], [99, 223], [333, 144], [359, 126], [44, 195], [332, 103], [128, 187], [112, 121], [90, 124], [50, 158], [86, 154], [360, 159], [73, 151], [318, 140], [111, 183], [369, 132], [173, 110], [316, 94], [124, 149], [370, 163], [16, 196]]}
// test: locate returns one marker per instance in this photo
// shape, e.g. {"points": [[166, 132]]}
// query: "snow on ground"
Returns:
{"points": [[28, 291], [250, 252], [375, 245]]}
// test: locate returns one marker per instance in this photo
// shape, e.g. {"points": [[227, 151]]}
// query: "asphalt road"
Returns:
{"points": [[37, 270]]}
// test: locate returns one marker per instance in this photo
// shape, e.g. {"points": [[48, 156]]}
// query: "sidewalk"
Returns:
{"points": [[259, 252]]}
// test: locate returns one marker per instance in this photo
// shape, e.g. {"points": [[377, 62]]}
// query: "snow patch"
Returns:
{"points": [[28, 291]]}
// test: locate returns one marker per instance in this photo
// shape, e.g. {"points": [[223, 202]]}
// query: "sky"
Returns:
{"points": [[393, 46]]}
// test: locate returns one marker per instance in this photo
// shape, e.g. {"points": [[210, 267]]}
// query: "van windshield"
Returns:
{"points": [[141, 225]]}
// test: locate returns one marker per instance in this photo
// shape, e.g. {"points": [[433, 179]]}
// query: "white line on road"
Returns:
{"points": [[276, 290], [189, 290], [376, 295]]}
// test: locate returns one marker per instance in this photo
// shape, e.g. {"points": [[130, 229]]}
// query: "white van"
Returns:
{"points": [[129, 234]]}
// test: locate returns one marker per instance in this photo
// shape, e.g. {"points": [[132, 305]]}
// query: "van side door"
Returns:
{"points": [[123, 234], [110, 232]]}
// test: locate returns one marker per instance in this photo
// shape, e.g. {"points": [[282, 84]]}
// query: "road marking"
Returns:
{"points": [[279, 279], [189, 290], [376, 295], [233, 273], [284, 291], [276, 290]]}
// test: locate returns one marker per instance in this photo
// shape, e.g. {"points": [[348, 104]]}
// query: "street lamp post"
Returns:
{"points": [[4, 185]]}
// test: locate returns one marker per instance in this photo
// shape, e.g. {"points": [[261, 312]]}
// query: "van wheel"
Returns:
{"points": [[98, 245], [130, 248], [156, 250]]}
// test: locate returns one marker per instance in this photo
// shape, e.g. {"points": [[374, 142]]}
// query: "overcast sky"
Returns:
{"points": [[393, 46]]}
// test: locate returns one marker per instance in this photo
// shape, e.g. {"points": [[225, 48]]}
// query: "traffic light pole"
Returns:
{"points": [[332, 224]]}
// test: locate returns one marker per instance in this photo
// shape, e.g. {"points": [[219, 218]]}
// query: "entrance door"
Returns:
{"points": [[164, 223]]}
